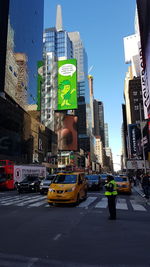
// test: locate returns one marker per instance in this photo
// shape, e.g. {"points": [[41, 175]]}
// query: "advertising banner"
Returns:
{"points": [[66, 129], [134, 140], [143, 10], [67, 84], [137, 164]]}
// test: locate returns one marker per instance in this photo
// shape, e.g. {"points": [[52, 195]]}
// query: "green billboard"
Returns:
{"points": [[39, 83], [67, 84]]}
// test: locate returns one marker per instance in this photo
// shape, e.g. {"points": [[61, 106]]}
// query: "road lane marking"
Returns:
{"points": [[102, 203], [121, 204], [57, 237], [136, 206], [8, 203], [87, 202], [37, 204], [30, 201]]}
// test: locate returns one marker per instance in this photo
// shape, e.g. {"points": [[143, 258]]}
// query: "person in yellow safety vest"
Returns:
{"points": [[111, 193]]}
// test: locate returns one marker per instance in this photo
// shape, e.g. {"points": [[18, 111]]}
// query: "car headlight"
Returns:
{"points": [[51, 190], [70, 189], [41, 183], [32, 183]]}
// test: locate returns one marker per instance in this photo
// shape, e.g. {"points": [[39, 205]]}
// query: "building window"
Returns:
{"points": [[134, 93], [136, 107]]}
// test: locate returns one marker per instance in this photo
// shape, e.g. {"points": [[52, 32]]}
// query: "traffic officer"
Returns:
{"points": [[111, 193]]}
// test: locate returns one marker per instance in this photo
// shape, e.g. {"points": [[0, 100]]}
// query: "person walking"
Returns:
{"points": [[145, 185], [111, 193]]}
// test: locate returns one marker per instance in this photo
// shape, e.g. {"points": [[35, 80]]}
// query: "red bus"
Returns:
{"points": [[6, 174]]}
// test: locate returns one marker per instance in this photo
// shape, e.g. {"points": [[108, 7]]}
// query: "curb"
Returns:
{"points": [[138, 190]]}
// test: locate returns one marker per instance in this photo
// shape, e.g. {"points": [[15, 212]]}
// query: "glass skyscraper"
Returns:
{"points": [[57, 46], [26, 19], [22, 23]]}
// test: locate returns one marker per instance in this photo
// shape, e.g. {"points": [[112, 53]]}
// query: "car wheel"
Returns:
{"points": [[50, 204]]}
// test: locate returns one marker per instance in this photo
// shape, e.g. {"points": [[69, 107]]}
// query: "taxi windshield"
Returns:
{"points": [[120, 179], [65, 179]]}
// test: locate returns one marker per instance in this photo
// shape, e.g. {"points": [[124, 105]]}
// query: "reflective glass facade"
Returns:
{"points": [[21, 31], [56, 46], [26, 34]]}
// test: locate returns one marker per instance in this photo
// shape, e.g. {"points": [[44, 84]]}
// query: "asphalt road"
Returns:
{"points": [[34, 234]]}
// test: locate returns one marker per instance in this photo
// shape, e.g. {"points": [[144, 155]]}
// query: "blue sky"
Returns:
{"points": [[102, 25]]}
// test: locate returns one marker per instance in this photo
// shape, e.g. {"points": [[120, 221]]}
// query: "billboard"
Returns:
{"points": [[66, 129], [143, 10], [67, 84], [39, 83], [134, 140]]}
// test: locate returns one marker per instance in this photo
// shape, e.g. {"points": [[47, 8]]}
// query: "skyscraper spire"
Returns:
{"points": [[59, 26]]}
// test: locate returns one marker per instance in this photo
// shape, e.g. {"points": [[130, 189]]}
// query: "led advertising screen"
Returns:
{"points": [[134, 140], [143, 10], [67, 84], [66, 129]]}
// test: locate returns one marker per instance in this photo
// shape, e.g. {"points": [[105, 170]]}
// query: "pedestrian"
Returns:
{"points": [[111, 193], [145, 185], [134, 180]]}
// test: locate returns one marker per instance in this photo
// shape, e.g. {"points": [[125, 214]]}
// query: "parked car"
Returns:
{"points": [[94, 181], [29, 184], [123, 184], [67, 188], [44, 185]]}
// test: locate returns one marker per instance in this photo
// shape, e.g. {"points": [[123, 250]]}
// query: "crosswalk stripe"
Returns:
{"points": [[38, 200], [38, 204], [30, 201], [136, 206], [102, 203], [121, 204], [8, 203], [87, 202]]}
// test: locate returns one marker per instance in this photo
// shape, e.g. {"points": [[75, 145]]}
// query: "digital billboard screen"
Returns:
{"points": [[134, 140], [143, 10], [66, 129], [67, 84]]}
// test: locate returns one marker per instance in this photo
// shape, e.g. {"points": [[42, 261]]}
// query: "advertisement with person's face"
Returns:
{"points": [[66, 129]]}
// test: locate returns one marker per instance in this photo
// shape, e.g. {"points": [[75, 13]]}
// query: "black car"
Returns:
{"points": [[94, 182], [29, 184]]}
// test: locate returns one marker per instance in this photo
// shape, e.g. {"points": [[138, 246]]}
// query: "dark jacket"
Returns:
{"points": [[145, 180]]}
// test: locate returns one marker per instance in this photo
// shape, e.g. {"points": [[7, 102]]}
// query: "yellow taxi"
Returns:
{"points": [[123, 184], [67, 188]]}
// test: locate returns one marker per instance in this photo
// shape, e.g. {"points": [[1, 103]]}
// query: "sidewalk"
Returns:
{"points": [[139, 190]]}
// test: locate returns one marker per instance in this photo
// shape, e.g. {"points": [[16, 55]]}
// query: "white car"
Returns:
{"points": [[44, 185]]}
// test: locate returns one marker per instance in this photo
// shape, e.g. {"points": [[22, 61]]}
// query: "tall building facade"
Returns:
{"points": [[60, 45], [83, 111], [22, 46], [106, 135], [26, 19], [99, 120], [56, 46]]}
